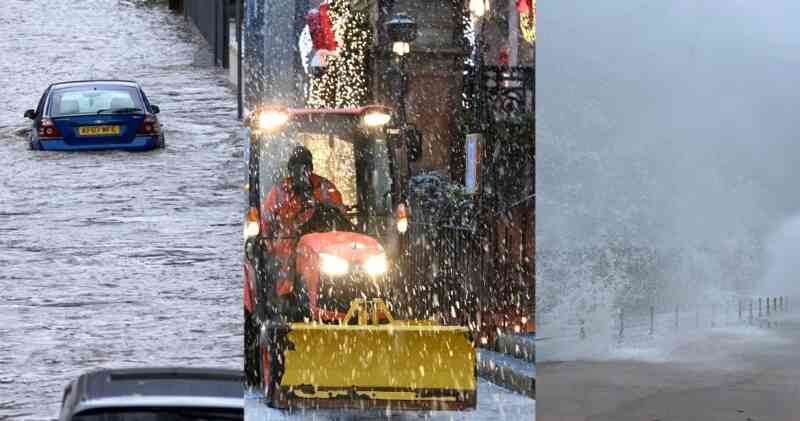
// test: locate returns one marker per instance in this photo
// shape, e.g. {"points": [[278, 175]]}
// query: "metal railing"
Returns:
{"points": [[481, 277], [638, 324], [508, 91]]}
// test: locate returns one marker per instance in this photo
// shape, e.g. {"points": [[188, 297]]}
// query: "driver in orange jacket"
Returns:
{"points": [[290, 205]]}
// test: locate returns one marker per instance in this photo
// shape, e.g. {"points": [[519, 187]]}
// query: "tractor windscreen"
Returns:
{"points": [[355, 166], [331, 156]]}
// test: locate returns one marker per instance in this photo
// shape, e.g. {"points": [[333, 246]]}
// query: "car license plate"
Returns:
{"points": [[98, 130]]}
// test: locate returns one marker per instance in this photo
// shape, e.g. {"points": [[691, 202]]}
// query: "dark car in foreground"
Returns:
{"points": [[95, 115], [154, 394]]}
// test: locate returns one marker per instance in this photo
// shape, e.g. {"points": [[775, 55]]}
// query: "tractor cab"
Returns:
{"points": [[349, 149], [336, 251]]}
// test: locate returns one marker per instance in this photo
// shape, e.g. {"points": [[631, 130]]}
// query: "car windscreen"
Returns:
{"points": [[160, 414], [94, 99]]}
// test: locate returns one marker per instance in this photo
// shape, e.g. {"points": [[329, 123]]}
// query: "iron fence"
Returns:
{"points": [[637, 324], [479, 276], [509, 91]]}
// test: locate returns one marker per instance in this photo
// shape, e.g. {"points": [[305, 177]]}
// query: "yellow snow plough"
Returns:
{"points": [[333, 341], [401, 365]]}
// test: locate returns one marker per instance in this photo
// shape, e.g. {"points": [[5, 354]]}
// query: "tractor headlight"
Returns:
{"points": [[376, 265], [251, 229], [333, 265], [376, 119], [270, 120], [251, 224]]}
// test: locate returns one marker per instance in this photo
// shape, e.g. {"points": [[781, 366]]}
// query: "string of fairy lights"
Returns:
{"points": [[345, 82]]}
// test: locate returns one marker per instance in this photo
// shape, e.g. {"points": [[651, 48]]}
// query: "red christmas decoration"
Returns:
{"points": [[321, 29], [503, 56], [527, 19]]}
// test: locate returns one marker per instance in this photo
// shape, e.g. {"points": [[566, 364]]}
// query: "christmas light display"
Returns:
{"points": [[344, 81]]}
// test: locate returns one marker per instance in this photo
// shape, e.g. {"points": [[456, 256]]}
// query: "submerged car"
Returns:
{"points": [[154, 394], [95, 115]]}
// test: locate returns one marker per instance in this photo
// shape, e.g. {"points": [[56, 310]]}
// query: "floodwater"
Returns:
{"points": [[115, 259]]}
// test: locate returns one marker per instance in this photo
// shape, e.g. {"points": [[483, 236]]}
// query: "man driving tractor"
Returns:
{"points": [[291, 204]]}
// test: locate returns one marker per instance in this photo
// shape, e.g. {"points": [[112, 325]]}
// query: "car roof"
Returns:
{"points": [[156, 386], [68, 84]]}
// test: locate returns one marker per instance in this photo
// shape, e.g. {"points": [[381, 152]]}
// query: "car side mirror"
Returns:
{"points": [[414, 144], [155, 109], [31, 114]]}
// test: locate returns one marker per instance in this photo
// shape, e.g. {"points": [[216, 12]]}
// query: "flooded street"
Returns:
{"points": [[115, 259]]}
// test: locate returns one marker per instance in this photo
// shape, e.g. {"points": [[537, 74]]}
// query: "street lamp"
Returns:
{"points": [[474, 140], [478, 9], [402, 31], [401, 48]]}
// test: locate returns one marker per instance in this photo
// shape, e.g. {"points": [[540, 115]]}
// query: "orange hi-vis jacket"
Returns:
{"points": [[282, 214]]}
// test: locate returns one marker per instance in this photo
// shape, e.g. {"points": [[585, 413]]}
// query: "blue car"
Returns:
{"points": [[95, 115]]}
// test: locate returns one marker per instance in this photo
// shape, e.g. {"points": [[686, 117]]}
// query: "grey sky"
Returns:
{"points": [[666, 123]]}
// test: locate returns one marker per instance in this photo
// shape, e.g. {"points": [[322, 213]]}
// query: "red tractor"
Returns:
{"points": [[333, 342]]}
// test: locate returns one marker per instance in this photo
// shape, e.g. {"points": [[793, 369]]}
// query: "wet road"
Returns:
{"points": [[114, 259], [494, 404], [737, 373]]}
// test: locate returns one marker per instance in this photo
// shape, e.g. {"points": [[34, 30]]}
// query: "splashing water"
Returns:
{"points": [[665, 159]]}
